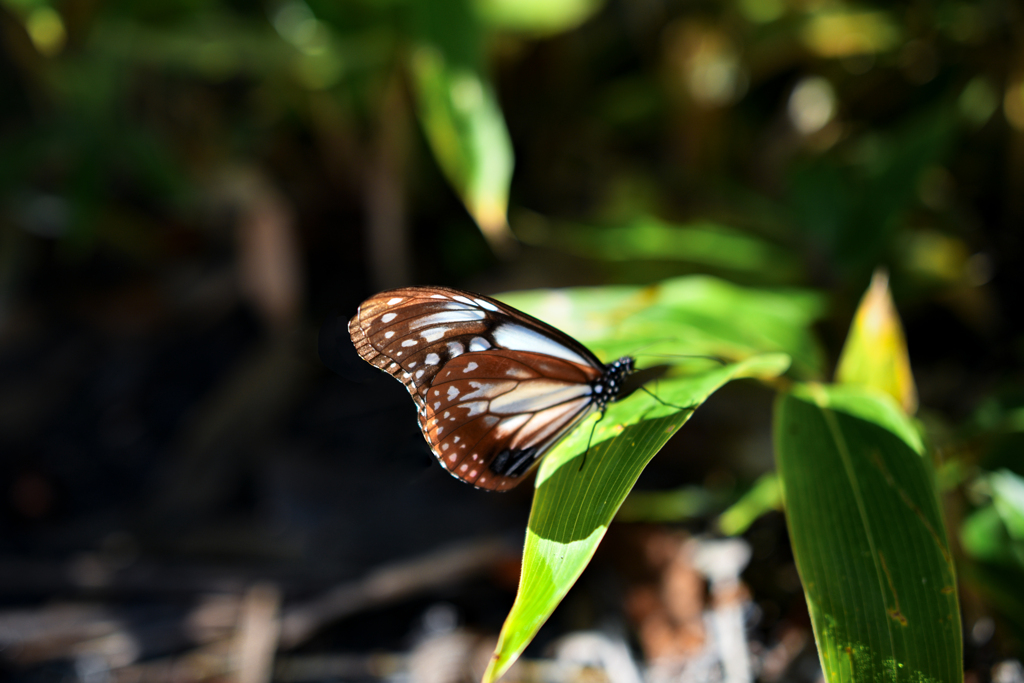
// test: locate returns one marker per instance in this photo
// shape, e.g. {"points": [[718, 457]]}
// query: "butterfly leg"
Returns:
{"points": [[583, 460]]}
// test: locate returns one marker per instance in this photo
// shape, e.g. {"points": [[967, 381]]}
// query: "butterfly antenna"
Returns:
{"points": [[666, 403], [720, 361]]}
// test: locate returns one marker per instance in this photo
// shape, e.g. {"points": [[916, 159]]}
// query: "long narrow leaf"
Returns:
{"points": [[868, 537], [576, 500]]}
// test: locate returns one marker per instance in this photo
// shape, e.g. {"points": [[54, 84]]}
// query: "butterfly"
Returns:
{"points": [[495, 388]]}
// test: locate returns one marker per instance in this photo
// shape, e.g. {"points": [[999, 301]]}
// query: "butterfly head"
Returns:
{"points": [[608, 388]]}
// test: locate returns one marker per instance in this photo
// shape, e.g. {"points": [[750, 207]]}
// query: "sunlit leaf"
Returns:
{"points": [[868, 536], [875, 353], [576, 499], [689, 315]]}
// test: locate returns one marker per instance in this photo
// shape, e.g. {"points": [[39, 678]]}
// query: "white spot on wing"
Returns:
{"points": [[432, 359], [456, 439], [409, 342], [474, 407], [447, 318], [434, 333], [551, 423], [452, 393], [459, 297], [389, 334], [388, 317], [529, 397], [438, 296], [486, 304], [488, 389], [510, 425], [455, 349], [395, 300], [419, 373], [479, 344], [471, 367], [518, 338]]}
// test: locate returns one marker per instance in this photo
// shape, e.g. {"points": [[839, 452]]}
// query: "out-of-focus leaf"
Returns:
{"points": [[536, 16], [995, 532], [1008, 498], [575, 501], [875, 353], [764, 496], [461, 116], [706, 244], [844, 33], [667, 506], [868, 536]]}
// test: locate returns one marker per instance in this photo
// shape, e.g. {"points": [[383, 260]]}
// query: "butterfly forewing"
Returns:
{"points": [[494, 387]]}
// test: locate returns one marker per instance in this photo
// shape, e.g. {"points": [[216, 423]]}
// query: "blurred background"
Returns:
{"points": [[191, 189]]}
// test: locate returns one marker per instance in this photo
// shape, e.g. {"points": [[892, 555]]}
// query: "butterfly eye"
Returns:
{"points": [[495, 388]]}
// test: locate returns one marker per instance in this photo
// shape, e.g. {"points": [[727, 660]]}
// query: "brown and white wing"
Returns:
{"points": [[412, 333], [491, 415]]}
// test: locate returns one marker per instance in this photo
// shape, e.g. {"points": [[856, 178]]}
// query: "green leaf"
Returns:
{"points": [[707, 244], [536, 16], [576, 499], [875, 353], [461, 116], [686, 315], [995, 532], [868, 536]]}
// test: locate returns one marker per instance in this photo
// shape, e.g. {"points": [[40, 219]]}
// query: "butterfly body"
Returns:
{"points": [[495, 389]]}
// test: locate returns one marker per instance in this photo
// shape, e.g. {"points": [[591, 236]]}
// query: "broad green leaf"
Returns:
{"points": [[868, 536], [688, 315], [875, 353], [576, 499], [460, 114]]}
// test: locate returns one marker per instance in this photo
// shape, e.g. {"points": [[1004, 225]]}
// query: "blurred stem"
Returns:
{"points": [[387, 227]]}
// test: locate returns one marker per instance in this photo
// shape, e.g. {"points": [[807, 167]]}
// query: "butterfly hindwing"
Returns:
{"points": [[491, 415]]}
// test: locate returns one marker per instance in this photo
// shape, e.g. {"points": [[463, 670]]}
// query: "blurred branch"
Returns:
{"points": [[390, 584]]}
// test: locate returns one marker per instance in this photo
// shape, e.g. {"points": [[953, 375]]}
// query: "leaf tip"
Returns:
{"points": [[875, 352]]}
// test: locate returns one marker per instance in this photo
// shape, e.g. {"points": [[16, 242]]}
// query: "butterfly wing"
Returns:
{"points": [[429, 337], [491, 415]]}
